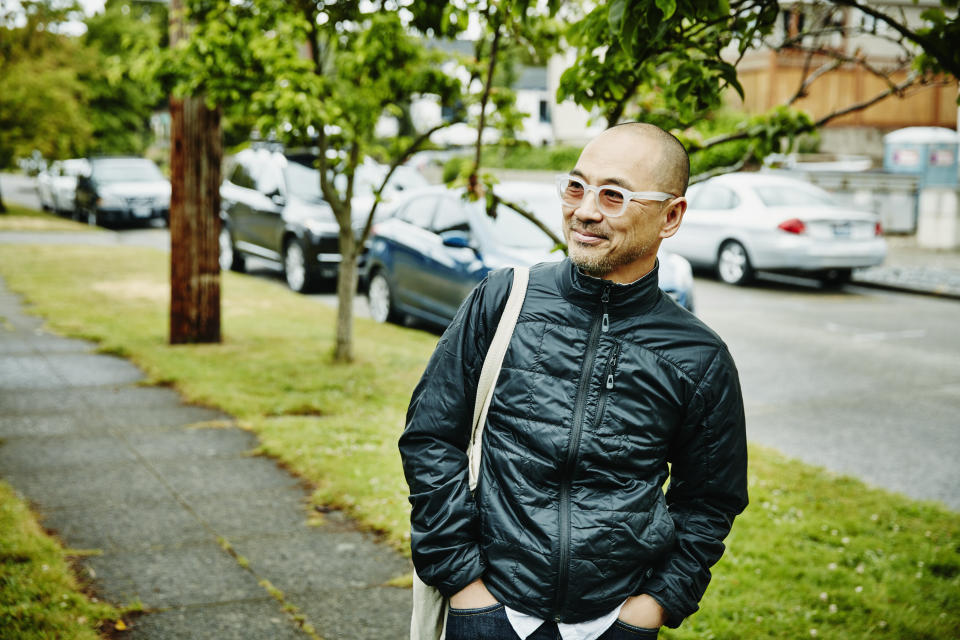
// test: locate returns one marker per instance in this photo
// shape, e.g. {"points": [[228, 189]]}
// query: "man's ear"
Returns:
{"points": [[674, 215]]}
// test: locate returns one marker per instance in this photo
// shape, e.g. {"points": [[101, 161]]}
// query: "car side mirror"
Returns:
{"points": [[456, 239]]}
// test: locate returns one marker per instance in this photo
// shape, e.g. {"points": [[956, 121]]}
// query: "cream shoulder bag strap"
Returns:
{"points": [[429, 607]]}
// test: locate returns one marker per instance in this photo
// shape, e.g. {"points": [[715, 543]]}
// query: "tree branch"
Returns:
{"points": [[898, 89], [613, 116], [859, 106], [531, 217], [841, 58], [706, 175], [473, 184], [809, 80], [399, 160], [930, 45]]}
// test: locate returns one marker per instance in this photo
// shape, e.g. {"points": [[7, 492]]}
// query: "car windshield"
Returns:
{"points": [[126, 170], [303, 182], [511, 229], [786, 195]]}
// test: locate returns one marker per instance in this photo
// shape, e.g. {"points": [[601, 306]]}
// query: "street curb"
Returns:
{"points": [[947, 295]]}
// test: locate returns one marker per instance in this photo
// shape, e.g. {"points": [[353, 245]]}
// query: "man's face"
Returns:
{"points": [[623, 248]]}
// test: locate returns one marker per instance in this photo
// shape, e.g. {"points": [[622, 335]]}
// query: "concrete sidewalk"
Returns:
{"points": [[126, 469], [914, 269]]}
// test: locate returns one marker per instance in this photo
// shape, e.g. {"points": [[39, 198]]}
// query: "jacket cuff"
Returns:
{"points": [[674, 615], [462, 577]]}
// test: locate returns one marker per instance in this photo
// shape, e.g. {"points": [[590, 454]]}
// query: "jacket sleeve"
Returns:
{"points": [[444, 521], [708, 488]]}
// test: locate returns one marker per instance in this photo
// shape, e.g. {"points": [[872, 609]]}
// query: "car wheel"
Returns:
{"points": [[834, 278], [299, 277], [733, 264], [230, 258], [380, 298]]}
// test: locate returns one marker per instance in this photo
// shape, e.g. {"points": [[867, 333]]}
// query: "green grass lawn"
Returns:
{"points": [[20, 218], [815, 555], [39, 596]]}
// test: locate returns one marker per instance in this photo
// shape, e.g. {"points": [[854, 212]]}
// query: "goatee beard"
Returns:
{"points": [[598, 263]]}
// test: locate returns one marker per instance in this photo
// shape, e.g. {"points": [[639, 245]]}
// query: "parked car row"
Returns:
{"points": [[103, 190], [430, 246]]}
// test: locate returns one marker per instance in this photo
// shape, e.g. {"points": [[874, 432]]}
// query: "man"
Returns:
{"points": [[606, 382]]}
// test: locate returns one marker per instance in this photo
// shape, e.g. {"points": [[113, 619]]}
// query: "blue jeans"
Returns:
{"points": [[491, 623]]}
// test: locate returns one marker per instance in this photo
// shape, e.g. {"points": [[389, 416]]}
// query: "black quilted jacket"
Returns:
{"points": [[603, 385]]}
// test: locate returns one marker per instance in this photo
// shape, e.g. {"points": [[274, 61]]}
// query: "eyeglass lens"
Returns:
{"points": [[609, 200]]}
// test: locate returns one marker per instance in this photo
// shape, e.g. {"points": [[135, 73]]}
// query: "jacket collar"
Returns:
{"points": [[586, 291]]}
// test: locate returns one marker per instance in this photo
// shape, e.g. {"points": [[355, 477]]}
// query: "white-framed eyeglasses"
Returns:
{"points": [[611, 199]]}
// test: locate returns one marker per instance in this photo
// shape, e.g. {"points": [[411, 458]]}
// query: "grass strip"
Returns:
{"points": [[40, 598], [815, 555], [20, 218]]}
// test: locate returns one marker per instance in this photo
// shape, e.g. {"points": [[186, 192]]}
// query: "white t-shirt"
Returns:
{"points": [[524, 625]]}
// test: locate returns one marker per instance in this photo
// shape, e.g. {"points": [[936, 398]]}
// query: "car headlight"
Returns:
{"points": [[109, 200]]}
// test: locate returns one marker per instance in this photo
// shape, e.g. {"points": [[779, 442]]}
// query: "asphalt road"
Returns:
{"points": [[860, 381]]}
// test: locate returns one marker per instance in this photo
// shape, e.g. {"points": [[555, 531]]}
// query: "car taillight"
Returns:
{"points": [[793, 225], [878, 229]]}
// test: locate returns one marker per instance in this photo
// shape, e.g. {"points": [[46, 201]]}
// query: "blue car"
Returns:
{"points": [[434, 247]]}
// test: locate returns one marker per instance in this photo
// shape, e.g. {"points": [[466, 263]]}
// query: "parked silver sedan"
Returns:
{"points": [[57, 184], [741, 223]]}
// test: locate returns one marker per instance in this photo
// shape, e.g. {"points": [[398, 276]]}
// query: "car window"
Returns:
{"points": [[73, 167], [240, 175], [303, 181], [786, 195], [511, 229], [714, 196], [268, 177], [451, 216], [419, 211]]}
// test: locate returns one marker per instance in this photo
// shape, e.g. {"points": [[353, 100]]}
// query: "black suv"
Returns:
{"points": [[122, 189]]}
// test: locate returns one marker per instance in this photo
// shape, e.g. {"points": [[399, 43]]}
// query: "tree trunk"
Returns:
{"points": [[195, 155], [346, 290]]}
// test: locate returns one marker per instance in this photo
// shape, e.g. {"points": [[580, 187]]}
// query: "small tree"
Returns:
{"points": [[322, 74]]}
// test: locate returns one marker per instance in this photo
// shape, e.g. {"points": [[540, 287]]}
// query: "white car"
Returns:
{"points": [[741, 223], [57, 184]]}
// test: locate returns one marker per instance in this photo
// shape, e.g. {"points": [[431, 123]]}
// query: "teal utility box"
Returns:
{"points": [[927, 152]]}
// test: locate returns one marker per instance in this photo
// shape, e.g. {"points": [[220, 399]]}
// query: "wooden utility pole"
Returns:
{"points": [[195, 155]]}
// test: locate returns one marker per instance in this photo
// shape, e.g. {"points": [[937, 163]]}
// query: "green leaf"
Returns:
{"points": [[616, 12], [668, 7]]}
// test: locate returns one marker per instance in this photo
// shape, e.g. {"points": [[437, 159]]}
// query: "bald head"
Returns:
{"points": [[672, 165]]}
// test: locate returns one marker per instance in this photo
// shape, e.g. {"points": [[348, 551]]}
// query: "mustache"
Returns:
{"points": [[592, 229]]}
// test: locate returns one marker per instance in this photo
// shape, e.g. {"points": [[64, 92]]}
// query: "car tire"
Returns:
{"points": [[230, 258], [835, 278], [733, 264], [297, 273], [380, 299]]}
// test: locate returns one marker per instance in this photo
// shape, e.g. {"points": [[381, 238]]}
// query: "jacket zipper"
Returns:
{"points": [[600, 323]]}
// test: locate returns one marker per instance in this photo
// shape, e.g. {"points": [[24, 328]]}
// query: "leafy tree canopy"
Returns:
{"points": [[42, 95], [672, 62]]}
